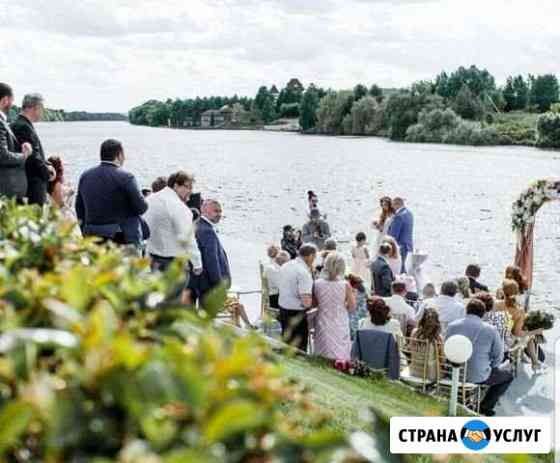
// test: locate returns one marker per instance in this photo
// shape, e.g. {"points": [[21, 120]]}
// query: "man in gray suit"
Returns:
{"points": [[13, 179]]}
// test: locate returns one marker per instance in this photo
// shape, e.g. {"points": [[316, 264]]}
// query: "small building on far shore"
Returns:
{"points": [[212, 118]]}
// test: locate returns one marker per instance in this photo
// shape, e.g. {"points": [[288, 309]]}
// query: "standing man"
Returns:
{"points": [[296, 296], [171, 225], [215, 264], [13, 181], [402, 229], [381, 274], [317, 230], [39, 172], [109, 202]]}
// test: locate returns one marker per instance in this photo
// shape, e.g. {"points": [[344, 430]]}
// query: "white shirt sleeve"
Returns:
{"points": [[184, 228]]}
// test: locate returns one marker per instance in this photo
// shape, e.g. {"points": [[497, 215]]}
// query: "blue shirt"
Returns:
{"points": [[488, 349]]}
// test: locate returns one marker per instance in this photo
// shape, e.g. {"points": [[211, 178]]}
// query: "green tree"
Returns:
{"points": [[544, 91], [548, 130], [509, 95], [308, 108], [478, 81], [521, 89], [291, 93], [264, 104], [468, 105], [376, 92], [423, 87], [402, 111], [332, 110], [366, 116], [360, 91]]}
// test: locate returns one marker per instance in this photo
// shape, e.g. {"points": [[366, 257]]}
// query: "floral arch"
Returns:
{"points": [[523, 221]]}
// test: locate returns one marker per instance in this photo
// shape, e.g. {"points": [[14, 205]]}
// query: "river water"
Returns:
{"points": [[461, 198]]}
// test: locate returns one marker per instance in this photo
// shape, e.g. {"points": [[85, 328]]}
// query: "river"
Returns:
{"points": [[461, 198]]}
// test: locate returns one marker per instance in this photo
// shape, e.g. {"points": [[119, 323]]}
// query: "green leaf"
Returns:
{"points": [[14, 419], [190, 456], [76, 290], [233, 418], [214, 302]]}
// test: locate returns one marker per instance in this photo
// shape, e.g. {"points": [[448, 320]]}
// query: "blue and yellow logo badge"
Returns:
{"points": [[475, 435]]}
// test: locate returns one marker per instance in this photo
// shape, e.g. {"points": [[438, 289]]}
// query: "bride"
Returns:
{"points": [[384, 222]]}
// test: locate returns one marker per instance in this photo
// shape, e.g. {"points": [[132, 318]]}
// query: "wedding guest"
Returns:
{"points": [[330, 246], [109, 203], [289, 242], [382, 276], [428, 330], [400, 308], [513, 272], [296, 290], [498, 317], [272, 274], [55, 187], [394, 259], [360, 257], [483, 367], [13, 179], [37, 169], [312, 201], [510, 304], [335, 299], [472, 272], [384, 222], [464, 291], [402, 229], [429, 291], [170, 223], [215, 263], [380, 318], [159, 184], [448, 307], [316, 230], [361, 296]]}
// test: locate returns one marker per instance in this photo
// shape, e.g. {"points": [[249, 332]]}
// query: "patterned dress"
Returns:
{"points": [[360, 312], [332, 330]]}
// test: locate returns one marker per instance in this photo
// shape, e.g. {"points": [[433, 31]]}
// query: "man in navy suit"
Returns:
{"points": [[215, 262], [109, 203], [402, 229]]}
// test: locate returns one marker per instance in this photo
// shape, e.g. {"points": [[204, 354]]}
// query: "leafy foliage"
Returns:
{"points": [[544, 91], [548, 130], [468, 105]]}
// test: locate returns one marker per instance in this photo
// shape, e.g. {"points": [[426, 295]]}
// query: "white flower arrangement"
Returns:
{"points": [[530, 201]]}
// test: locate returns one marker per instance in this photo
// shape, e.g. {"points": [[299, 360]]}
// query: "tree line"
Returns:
{"points": [[60, 115]]}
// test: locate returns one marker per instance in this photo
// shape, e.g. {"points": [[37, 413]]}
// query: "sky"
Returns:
{"points": [[111, 55]]}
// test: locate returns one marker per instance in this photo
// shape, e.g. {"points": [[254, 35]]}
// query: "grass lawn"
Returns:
{"points": [[346, 400], [528, 120]]}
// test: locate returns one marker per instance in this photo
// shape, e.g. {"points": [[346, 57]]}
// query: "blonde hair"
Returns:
{"points": [[395, 250], [335, 265], [273, 251], [510, 289]]}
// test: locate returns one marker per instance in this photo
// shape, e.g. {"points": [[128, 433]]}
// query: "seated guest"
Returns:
{"points": [[464, 290], [498, 317], [382, 276], [472, 272], [316, 231], [330, 246], [109, 202], [488, 352], [517, 314], [159, 184], [335, 299], [170, 223], [429, 291], [289, 242], [296, 296], [513, 272], [411, 289], [399, 308], [272, 274], [449, 309], [380, 318], [59, 193], [394, 258], [429, 330], [360, 294]]}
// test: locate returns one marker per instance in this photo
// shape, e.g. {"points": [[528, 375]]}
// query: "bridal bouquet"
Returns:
{"points": [[539, 319]]}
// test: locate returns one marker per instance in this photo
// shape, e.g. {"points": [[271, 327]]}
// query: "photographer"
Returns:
{"points": [[316, 231]]}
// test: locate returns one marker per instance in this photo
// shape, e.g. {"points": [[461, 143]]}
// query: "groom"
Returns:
{"points": [[402, 229]]}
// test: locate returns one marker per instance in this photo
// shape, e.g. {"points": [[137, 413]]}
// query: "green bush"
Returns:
{"points": [[548, 130], [96, 364], [290, 110], [403, 110], [367, 116], [516, 134]]}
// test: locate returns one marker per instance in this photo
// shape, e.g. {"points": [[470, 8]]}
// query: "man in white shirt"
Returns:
{"points": [[171, 225], [400, 309], [449, 308], [272, 275], [296, 290]]}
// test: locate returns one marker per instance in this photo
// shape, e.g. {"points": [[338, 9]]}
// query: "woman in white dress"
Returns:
{"points": [[384, 222], [360, 258]]}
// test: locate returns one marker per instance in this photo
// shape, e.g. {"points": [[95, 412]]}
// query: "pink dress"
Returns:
{"points": [[332, 330]]}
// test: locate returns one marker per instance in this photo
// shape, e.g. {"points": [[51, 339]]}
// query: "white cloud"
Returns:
{"points": [[114, 54]]}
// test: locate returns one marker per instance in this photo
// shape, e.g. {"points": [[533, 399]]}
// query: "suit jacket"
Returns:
{"points": [[109, 203], [13, 181], [215, 262], [36, 166], [310, 228], [402, 229], [381, 277], [378, 350]]}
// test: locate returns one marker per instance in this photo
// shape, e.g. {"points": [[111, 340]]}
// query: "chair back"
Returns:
{"points": [[423, 358], [403, 321], [469, 393]]}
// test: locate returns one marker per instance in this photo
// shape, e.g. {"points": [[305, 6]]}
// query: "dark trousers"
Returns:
{"points": [[159, 263], [499, 380], [273, 301], [404, 254], [295, 330]]}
